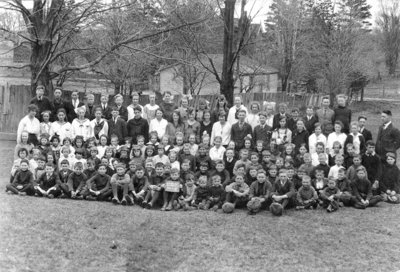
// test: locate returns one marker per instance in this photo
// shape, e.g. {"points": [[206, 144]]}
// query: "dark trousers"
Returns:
{"points": [[55, 192], [238, 201], [118, 191], [28, 189], [169, 196], [372, 202], [152, 196]]}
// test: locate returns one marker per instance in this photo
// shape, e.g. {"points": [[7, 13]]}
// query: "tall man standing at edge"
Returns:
{"points": [[388, 139]]}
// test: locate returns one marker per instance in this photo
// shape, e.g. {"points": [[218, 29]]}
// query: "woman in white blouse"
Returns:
{"points": [[81, 125], [158, 124], [337, 135], [316, 137], [253, 118], [60, 127], [30, 124], [222, 129]]}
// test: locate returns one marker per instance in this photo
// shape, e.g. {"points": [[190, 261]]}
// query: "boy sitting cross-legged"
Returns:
{"points": [[282, 194], [217, 193], [98, 186], [48, 183], [188, 190], [138, 186], [154, 190], [237, 194], [172, 187], [362, 191], [201, 194], [119, 185], [330, 196], [306, 196], [23, 181], [76, 182], [260, 191]]}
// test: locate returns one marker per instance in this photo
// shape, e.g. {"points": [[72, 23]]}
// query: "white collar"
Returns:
{"points": [[387, 124]]}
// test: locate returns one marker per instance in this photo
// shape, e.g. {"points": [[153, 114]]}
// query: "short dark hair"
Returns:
{"points": [[388, 112]]}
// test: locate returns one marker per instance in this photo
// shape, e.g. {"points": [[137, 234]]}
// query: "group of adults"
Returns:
{"points": [[233, 124]]}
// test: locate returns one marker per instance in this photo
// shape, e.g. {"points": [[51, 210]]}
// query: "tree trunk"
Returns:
{"points": [[40, 72], [227, 86]]}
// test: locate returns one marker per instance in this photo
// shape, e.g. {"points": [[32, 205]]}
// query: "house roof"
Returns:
{"points": [[247, 65]]}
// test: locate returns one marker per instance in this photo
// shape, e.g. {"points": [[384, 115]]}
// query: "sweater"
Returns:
{"points": [[99, 183], [280, 189], [76, 182], [260, 189], [22, 178], [306, 193], [46, 182], [390, 179], [361, 189]]}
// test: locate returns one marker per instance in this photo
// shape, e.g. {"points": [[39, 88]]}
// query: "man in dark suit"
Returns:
{"points": [[262, 132], [365, 132], [90, 107], [282, 113], [138, 126], [388, 139], [42, 102], [123, 111], [310, 120], [105, 107], [60, 103], [73, 105], [117, 126], [240, 130]]}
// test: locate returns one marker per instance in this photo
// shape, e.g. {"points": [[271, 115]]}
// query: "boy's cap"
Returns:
{"points": [[391, 154]]}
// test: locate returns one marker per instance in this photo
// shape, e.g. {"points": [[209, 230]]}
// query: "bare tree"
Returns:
{"points": [[52, 28], [388, 22]]}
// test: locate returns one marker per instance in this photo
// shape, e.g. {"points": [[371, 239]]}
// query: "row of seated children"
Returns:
{"points": [[180, 189]]}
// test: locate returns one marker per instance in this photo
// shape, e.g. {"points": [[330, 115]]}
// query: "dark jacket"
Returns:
{"points": [[44, 105], [99, 183], [46, 183], [239, 133], [262, 134], [89, 114], [123, 113], [373, 165], [367, 134], [361, 189], [262, 190], [388, 140], [136, 127], [275, 122], [106, 114], [343, 114], [61, 104], [350, 139], [118, 128], [310, 124], [286, 189], [390, 179], [299, 138]]}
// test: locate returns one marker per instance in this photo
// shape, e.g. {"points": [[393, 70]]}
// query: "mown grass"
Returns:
{"points": [[39, 234]]}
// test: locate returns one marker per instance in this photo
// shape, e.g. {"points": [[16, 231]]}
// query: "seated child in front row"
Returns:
{"points": [[330, 196], [283, 192], [201, 194], [155, 186], [343, 184], [217, 193], [259, 193], [188, 190], [76, 182], [237, 194], [389, 184], [98, 186], [362, 191], [138, 185], [120, 185], [22, 183], [306, 195], [172, 187], [48, 183]]}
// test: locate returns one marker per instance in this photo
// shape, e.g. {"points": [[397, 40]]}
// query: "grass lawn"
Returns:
{"points": [[39, 234]]}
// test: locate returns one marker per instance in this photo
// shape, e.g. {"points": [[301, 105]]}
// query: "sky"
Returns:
{"points": [[258, 9]]}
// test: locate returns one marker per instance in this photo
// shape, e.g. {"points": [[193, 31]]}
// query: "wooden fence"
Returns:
{"points": [[15, 99]]}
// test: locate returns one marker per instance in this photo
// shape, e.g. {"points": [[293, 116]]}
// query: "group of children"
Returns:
{"points": [[206, 176]]}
